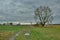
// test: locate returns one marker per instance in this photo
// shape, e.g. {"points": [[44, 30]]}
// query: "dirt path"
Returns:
{"points": [[18, 33], [14, 36]]}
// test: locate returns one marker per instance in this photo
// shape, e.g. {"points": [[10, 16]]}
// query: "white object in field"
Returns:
{"points": [[27, 34], [17, 34]]}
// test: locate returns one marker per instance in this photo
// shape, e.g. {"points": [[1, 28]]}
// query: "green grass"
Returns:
{"points": [[8, 31], [38, 33], [10, 28], [45, 34]]}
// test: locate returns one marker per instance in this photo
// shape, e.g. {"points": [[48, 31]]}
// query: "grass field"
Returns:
{"points": [[8, 31], [36, 33]]}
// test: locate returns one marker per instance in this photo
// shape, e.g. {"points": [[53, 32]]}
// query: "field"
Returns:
{"points": [[8, 31], [51, 32]]}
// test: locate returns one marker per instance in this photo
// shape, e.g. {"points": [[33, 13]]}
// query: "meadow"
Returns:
{"points": [[51, 32], [7, 31]]}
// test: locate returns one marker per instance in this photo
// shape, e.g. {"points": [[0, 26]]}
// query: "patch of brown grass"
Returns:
{"points": [[5, 35], [48, 26]]}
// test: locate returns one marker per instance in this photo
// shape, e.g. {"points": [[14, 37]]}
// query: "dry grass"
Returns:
{"points": [[7, 31], [5, 35]]}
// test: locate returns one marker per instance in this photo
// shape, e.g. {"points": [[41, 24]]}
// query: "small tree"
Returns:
{"points": [[11, 23], [43, 15]]}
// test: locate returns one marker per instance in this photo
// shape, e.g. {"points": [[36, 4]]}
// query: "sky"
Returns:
{"points": [[23, 10]]}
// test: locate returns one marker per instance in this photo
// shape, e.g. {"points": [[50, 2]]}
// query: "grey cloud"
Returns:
{"points": [[23, 10]]}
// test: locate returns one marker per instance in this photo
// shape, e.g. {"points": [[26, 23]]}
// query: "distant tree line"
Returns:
{"points": [[10, 24]]}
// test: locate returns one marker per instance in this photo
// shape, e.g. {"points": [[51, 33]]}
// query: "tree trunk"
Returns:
{"points": [[43, 24]]}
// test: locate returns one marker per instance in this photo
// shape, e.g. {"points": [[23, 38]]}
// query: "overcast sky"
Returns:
{"points": [[23, 10]]}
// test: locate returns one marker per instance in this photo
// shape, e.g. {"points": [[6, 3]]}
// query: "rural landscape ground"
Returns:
{"points": [[51, 32]]}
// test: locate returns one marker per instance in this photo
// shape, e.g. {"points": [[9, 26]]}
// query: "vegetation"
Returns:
{"points": [[8, 31], [43, 15], [51, 32], [38, 33]]}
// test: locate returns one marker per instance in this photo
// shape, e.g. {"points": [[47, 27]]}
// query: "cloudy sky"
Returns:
{"points": [[23, 10]]}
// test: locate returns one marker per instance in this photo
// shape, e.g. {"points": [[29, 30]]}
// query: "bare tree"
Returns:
{"points": [[43, 15]]}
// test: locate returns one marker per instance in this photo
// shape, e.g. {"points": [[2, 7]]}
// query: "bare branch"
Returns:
{"points": [[43, 14]]}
